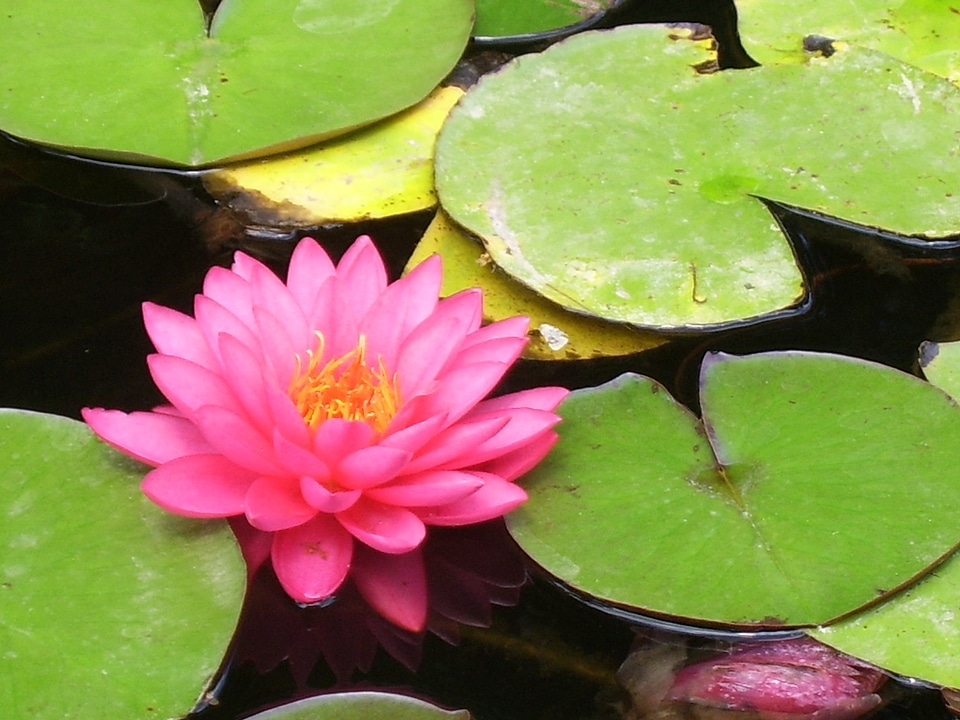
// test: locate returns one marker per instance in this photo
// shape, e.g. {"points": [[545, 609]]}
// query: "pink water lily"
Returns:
{"points": [[335, 409]]}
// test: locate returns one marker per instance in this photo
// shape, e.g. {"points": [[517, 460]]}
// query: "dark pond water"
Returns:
{"points": [[82, 246]]}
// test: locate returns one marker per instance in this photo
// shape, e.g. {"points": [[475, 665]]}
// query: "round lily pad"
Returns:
{"points": [[814, 484], [109, 606], [509, 18], [361, 706], [145, 81], [609, 175]]}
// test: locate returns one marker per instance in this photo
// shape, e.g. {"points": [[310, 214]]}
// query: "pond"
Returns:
{"points": [[86, 243]]}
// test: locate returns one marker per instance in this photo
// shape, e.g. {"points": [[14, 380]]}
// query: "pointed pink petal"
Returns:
{"points": [[382, 527], [333, 316], [413, 437], [457, 441], [400, 308], [214, 319], [312, 560], [279, 350], [325, 501], [231, 292], [369, 467], [309, 269], [337, 438], [151, 438], [506, 349], [497, 497], [244, 266], [174, 333], [190, 386], [237, 440], [286, 418], [512, 327], [523, 426], [199, 486], [467, 305], [427, 489], [395, 586], [541, 398], [245, 379], [459, 390], [522, 460], [426, 352], [277, 504], [362, 275], [270, 294], [297, 460]]}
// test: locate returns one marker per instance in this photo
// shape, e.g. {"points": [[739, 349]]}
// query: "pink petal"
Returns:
{"points": [[231, 292], [333, 316], [244, 266], [270, 294], [370, 466], [387, 529], [214, 319], [413, 437], [395, 586], [199, 486], [459, 390], [324, 500], [174, 333], [457, 441], [239, 441], [522, 460], [541, 398], [497, 497], [297, 460], [362, 274], [312, 560], [277, 504], [151, 438], [512, 327], [400, 308], [466, 305], [309, 269], [426, 352], [190, 386], [285, 416], [427, 489], [505, 349], [280, 352], [523, 426], [245, 379], [337, 438]]}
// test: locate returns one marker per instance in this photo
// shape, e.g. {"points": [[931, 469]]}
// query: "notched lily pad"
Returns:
{"points": [[611, 177], [146, 83], [814, 484], [109, 606]]}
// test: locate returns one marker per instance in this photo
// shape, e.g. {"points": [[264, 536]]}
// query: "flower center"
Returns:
{"points": [[345, 387]]}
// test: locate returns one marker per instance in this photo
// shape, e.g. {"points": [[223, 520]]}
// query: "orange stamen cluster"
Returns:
{"points": [[344, 387]]}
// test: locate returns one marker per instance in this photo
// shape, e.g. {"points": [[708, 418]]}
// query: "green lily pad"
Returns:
{"points": [[361, 706], [814, 484], [920, 32], [506, 18], [915, 633], [611, 177], [109, 606], [941, 365], [145, 82]]}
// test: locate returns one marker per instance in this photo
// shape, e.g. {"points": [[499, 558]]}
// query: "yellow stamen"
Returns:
{"points": [[345, 387]]}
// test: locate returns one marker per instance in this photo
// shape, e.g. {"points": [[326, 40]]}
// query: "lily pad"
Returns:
{"points": [[361, 706], [110, 607], [555, 332], [915, 633], [920, 32], [814, 484], [611, 177], [381, 170], [941, 365], [507, 18], [146, 82]]}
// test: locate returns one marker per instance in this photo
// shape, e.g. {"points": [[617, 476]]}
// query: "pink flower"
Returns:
{"points": [[335, 409]]}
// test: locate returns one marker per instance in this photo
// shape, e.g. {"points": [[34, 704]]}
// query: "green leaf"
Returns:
{"points": [[361, 706], [611, 177], [920, 32], [505, 18], [915, 633], [941, 365], [109, 606], [815, 484], [145, 82]]}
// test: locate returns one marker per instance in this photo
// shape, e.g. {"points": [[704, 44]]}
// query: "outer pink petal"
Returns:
{"points": [[459, 390], [237, 440], [244, 265], [245, 379], [312, 560], [277, 504], [214, 319], [524, 426], [522, 460], [285, 417], [387, 529], [413, 437], [269, 293], [395, 586], [457, 441], [199, 486], [370, 466], [151, 438], [466, 304], [426, 352], [190, 386], [324, 500], [230, 291], [362, 275], [400, 308], [541, 398], [337, 438], [297, 460], [174, 333], [310, 267], [515, 327], [497, 497], [427, 489], [279, 349]]}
